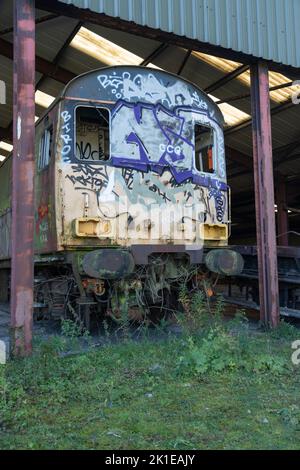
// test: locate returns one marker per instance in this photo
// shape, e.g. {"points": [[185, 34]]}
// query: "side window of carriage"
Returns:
{"points": [[204, 148], [92, 133], [45, 147]]}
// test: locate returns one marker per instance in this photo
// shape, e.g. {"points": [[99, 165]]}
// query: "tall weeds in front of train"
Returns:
{"points": [[210, 344], [199, 311], [124, 321], [195, 311]]}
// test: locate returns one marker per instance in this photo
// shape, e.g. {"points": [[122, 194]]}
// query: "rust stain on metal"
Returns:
{"points": [[70, 98], [22, 330], [282, 222], [264, 195], [22, 177]]}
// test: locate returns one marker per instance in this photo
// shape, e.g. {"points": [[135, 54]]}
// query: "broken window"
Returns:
{"points": [[45, 148], [204, 148], [92, 133]]}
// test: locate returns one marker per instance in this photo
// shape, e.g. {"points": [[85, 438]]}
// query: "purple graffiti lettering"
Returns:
{"points": [[174, 151]]}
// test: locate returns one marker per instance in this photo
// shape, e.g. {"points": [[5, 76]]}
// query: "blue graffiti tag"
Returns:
{"points": [[152, 138]]}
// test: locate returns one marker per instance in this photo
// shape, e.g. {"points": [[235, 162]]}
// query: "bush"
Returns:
{"points": [[217, 351]]}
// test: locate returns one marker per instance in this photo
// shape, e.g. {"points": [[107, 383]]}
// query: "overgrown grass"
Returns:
{"points": [[225, 388]]}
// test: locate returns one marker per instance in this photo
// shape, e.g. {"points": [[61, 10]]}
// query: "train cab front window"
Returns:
{"points": [[204, 148], [92, 133]]}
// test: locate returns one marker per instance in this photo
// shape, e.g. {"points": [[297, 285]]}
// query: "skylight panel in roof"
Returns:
{"points": [[275, 78], [283, 94], [43, 99], [6, 146], [232, 115], [222, 64], [104, 50]]}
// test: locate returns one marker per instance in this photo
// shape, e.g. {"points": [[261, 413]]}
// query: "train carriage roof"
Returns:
{"points": [[141, 84]]}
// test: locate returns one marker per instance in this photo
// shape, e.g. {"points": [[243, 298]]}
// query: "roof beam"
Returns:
{"points": [[247, 95], [42, 65], [61, 51], [227, 78], [183, 64], [162, 47], [287, 149], [294, 156], [37, 21], [276, 110], [284, 153]]}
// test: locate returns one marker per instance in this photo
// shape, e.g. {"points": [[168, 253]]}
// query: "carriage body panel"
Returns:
{"points": [[133, 179]]}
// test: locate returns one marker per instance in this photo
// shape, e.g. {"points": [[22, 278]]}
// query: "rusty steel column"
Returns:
{"points": [[282, 212], [22, 177], [264, 195]]}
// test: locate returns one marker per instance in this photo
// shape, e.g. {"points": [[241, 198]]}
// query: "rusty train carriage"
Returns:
{"points": [[130, 188]]}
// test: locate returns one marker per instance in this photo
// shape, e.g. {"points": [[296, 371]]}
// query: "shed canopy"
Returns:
{"points": [[67, 45], [266, 28]]}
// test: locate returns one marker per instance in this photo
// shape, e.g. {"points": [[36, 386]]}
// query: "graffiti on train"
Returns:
{"points": [[169, 145], [140, 86]]}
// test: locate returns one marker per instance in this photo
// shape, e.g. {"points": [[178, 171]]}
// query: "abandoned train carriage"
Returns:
{"points": [[130, 187]]}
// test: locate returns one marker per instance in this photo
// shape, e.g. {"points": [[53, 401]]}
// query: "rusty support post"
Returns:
{"points": [[22, 177], [282, 212], [264, 195]]}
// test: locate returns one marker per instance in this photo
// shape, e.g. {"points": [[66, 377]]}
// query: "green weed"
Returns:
{"points": [[217, 386]]}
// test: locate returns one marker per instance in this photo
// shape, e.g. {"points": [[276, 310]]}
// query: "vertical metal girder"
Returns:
{"points": [[282, 212], [264, 195], [22, 177]]}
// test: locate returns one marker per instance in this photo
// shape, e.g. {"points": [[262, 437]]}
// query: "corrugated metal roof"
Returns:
{"points": [[264, 28]]}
